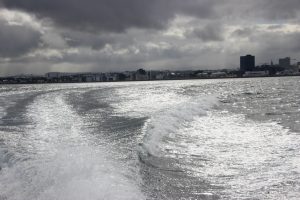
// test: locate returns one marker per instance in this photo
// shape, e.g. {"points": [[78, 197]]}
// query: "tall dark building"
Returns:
{"points": [[285, 62], [247, 63]]}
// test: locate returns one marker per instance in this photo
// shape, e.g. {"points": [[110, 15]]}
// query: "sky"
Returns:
{"points": [[39, 36]]}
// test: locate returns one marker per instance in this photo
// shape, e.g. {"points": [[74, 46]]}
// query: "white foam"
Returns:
{"points": [[78, 173], [62, 160], [167, 122], [144, 100], [75, 173], [249, 157]]}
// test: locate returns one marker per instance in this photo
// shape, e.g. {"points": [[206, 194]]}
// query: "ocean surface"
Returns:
{"points": [[185, 140]]}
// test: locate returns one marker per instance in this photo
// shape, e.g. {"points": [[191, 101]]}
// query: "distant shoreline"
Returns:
{"points": [[122, 81]]}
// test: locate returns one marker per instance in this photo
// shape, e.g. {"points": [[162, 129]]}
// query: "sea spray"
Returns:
{"points": [[167, 122]]}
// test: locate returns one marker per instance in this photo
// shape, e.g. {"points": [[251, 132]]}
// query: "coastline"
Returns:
{"points": [[16, 82]]}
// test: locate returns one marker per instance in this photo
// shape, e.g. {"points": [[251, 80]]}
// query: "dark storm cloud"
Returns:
{"points": [[103, 15], [16, 40], [119, 15], [113, 15], [257, 10], [104, 35]]}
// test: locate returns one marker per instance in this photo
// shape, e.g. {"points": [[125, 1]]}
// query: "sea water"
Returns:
{"points": [[198, 139]]}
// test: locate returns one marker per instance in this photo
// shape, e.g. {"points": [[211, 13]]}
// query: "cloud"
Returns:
{"points": [[86, 39], [115, 15], [279, 10], [16, 40], [274, 45], [209, 33], [244, 32], [113, 35], [120, 15], [99, 15]]}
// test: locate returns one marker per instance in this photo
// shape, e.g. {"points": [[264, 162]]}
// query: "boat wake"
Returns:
{"points": [[62, 163], [161, 132]]}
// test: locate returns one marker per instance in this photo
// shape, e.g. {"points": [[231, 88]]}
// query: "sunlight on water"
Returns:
{"points": [[61, 163], [209, 139]]}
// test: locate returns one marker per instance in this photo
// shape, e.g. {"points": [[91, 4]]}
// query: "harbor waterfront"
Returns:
{"points": [[247, 70], [195, 139]]}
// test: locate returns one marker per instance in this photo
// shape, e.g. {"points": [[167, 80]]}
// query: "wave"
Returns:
{"points": [[233, 146], [73, 173], [160, 163], [63, 161], [164, 125]]}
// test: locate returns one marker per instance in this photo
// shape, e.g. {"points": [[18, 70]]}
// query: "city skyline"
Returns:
{"points": [[117, 36]]}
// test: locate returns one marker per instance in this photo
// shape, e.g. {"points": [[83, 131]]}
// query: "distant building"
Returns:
{"points": [[285, 62], [159, 76], [256, 74], [89, 78], [218, 75], [141, 75], [112, 76], [247, 63], [53, 75]]}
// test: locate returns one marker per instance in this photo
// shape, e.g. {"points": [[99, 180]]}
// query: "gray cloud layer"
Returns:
{"points": [[118, 34], [103, 15], [16, 40], [210, 32], [118, 15]]}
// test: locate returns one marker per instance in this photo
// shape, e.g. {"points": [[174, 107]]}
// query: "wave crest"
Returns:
{"points": [[163, 126]]}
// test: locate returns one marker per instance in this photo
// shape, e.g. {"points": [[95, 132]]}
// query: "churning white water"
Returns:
{"points": [[206, 139], [56, 159]]}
